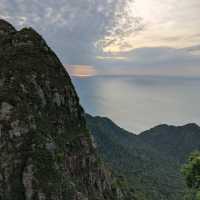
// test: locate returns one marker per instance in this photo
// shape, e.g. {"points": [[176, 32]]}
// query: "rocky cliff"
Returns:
{"points": [[46, 151]]}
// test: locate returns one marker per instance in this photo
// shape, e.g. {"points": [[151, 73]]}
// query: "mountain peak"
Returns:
{"points": [[191, 125], [6, 27], [29, 37], [167, 127], [23, 39]]}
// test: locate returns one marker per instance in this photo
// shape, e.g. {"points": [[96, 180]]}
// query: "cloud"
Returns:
{"points": [[151, 61], [71, 27], [125, 24], [195, 50], [81, 71], [147, 36], [165, 23]]}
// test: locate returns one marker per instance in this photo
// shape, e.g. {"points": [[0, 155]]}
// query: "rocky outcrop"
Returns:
{"points": [[46, 152]]}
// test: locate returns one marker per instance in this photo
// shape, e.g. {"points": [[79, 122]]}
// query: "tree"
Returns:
{"points": [[191, 172]]}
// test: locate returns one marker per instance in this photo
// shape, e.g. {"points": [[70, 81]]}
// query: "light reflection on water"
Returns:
{"points": [[137, 103]]}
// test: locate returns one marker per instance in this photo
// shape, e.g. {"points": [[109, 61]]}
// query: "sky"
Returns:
{"points": [[115, 37]]}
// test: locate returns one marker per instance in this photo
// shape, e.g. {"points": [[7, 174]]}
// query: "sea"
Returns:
{"points": [[138, 103]]}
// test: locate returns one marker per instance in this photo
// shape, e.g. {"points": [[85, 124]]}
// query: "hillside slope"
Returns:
{"points": [[174, 141], [150, 161]]}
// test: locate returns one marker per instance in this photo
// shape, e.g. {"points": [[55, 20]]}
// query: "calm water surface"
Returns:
{"points": [[137, 103]]}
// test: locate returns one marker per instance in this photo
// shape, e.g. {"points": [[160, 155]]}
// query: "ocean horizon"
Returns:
{"points": [[137, 103]]}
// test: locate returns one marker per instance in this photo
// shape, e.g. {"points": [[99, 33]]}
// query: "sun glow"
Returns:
{"points": [[149, 23], [81, 71]]}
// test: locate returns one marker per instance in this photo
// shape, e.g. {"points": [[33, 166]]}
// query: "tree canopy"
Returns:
{"points": [[191, 171]]}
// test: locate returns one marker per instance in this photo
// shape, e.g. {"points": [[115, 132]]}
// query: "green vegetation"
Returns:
{"points": [[46, 150], [191, 172], [151, 162]]}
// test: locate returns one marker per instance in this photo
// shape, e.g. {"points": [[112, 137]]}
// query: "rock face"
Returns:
{"points": [[46, 151]]}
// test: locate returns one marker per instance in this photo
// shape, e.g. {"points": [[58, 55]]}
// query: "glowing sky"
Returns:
{"points": [[82, 71], [166, 23]]}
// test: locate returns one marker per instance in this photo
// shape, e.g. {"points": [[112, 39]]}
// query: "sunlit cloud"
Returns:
{"points": [[81, 71], [154, 61], [165, 23], [125, 24], [111, 57]]}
